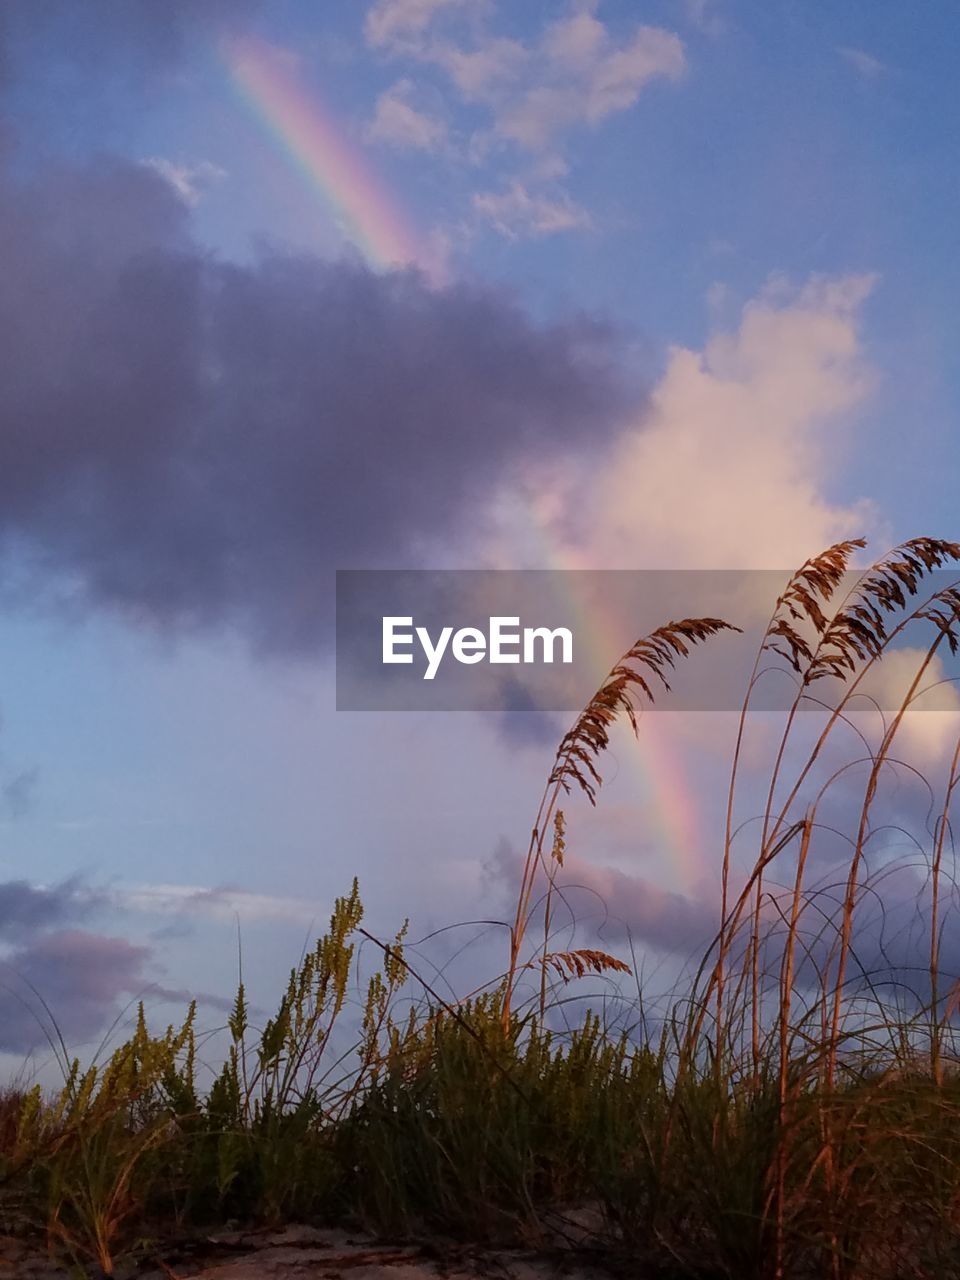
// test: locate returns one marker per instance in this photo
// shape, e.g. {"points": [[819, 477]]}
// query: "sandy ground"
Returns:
{"points": [[306, 1253]]}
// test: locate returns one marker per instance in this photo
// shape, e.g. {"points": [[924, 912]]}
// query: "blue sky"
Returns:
{"points": [[697, 255]]}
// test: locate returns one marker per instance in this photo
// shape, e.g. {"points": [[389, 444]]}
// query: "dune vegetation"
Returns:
{"points": [[794, 1113]]}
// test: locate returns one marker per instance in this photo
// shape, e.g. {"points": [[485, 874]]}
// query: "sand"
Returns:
{"points": [[308, 1253]]}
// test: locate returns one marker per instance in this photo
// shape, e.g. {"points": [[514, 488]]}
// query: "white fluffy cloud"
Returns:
{"points": [[572, 75], [730, 462], [584, 76], [399, 123], [928, 731], [731, 465], [575, 73], [188, 180], [393, 22], [517, 212]]}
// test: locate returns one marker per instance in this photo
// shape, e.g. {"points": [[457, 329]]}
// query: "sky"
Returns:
{"points": [[297, 287]]}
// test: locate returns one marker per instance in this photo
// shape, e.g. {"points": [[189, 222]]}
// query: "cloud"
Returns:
{"points": [[80, 976], [26, 908], [928, 731], [481, 74], [196, 442], [586, 76], [890, 945], [188, 180], [865, 63], [575, 73], [397, 122], [391, 23], [891, 936], [615, 905], [224, 903], [635, 907], [518, 212], [729, 467], [703, 15]]}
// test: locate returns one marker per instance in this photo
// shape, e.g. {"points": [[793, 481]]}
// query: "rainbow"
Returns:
{"points": [[314, 141], [667, 800], [669, 803], [310, 136]]}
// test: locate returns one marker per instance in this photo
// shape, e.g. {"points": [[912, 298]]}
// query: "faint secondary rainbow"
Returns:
{"points": [[311, 137]]}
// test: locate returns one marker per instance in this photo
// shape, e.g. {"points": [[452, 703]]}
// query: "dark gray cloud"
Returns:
{"points": [[53, 970], [890, 941], [890, 952], [891, 935], [81, 978], [623, 907], [193, 441], [25, 908], [614, 905], [55, 976]]}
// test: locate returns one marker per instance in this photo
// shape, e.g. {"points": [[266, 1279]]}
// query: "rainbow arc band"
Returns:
{"points": [[314, 141]]}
